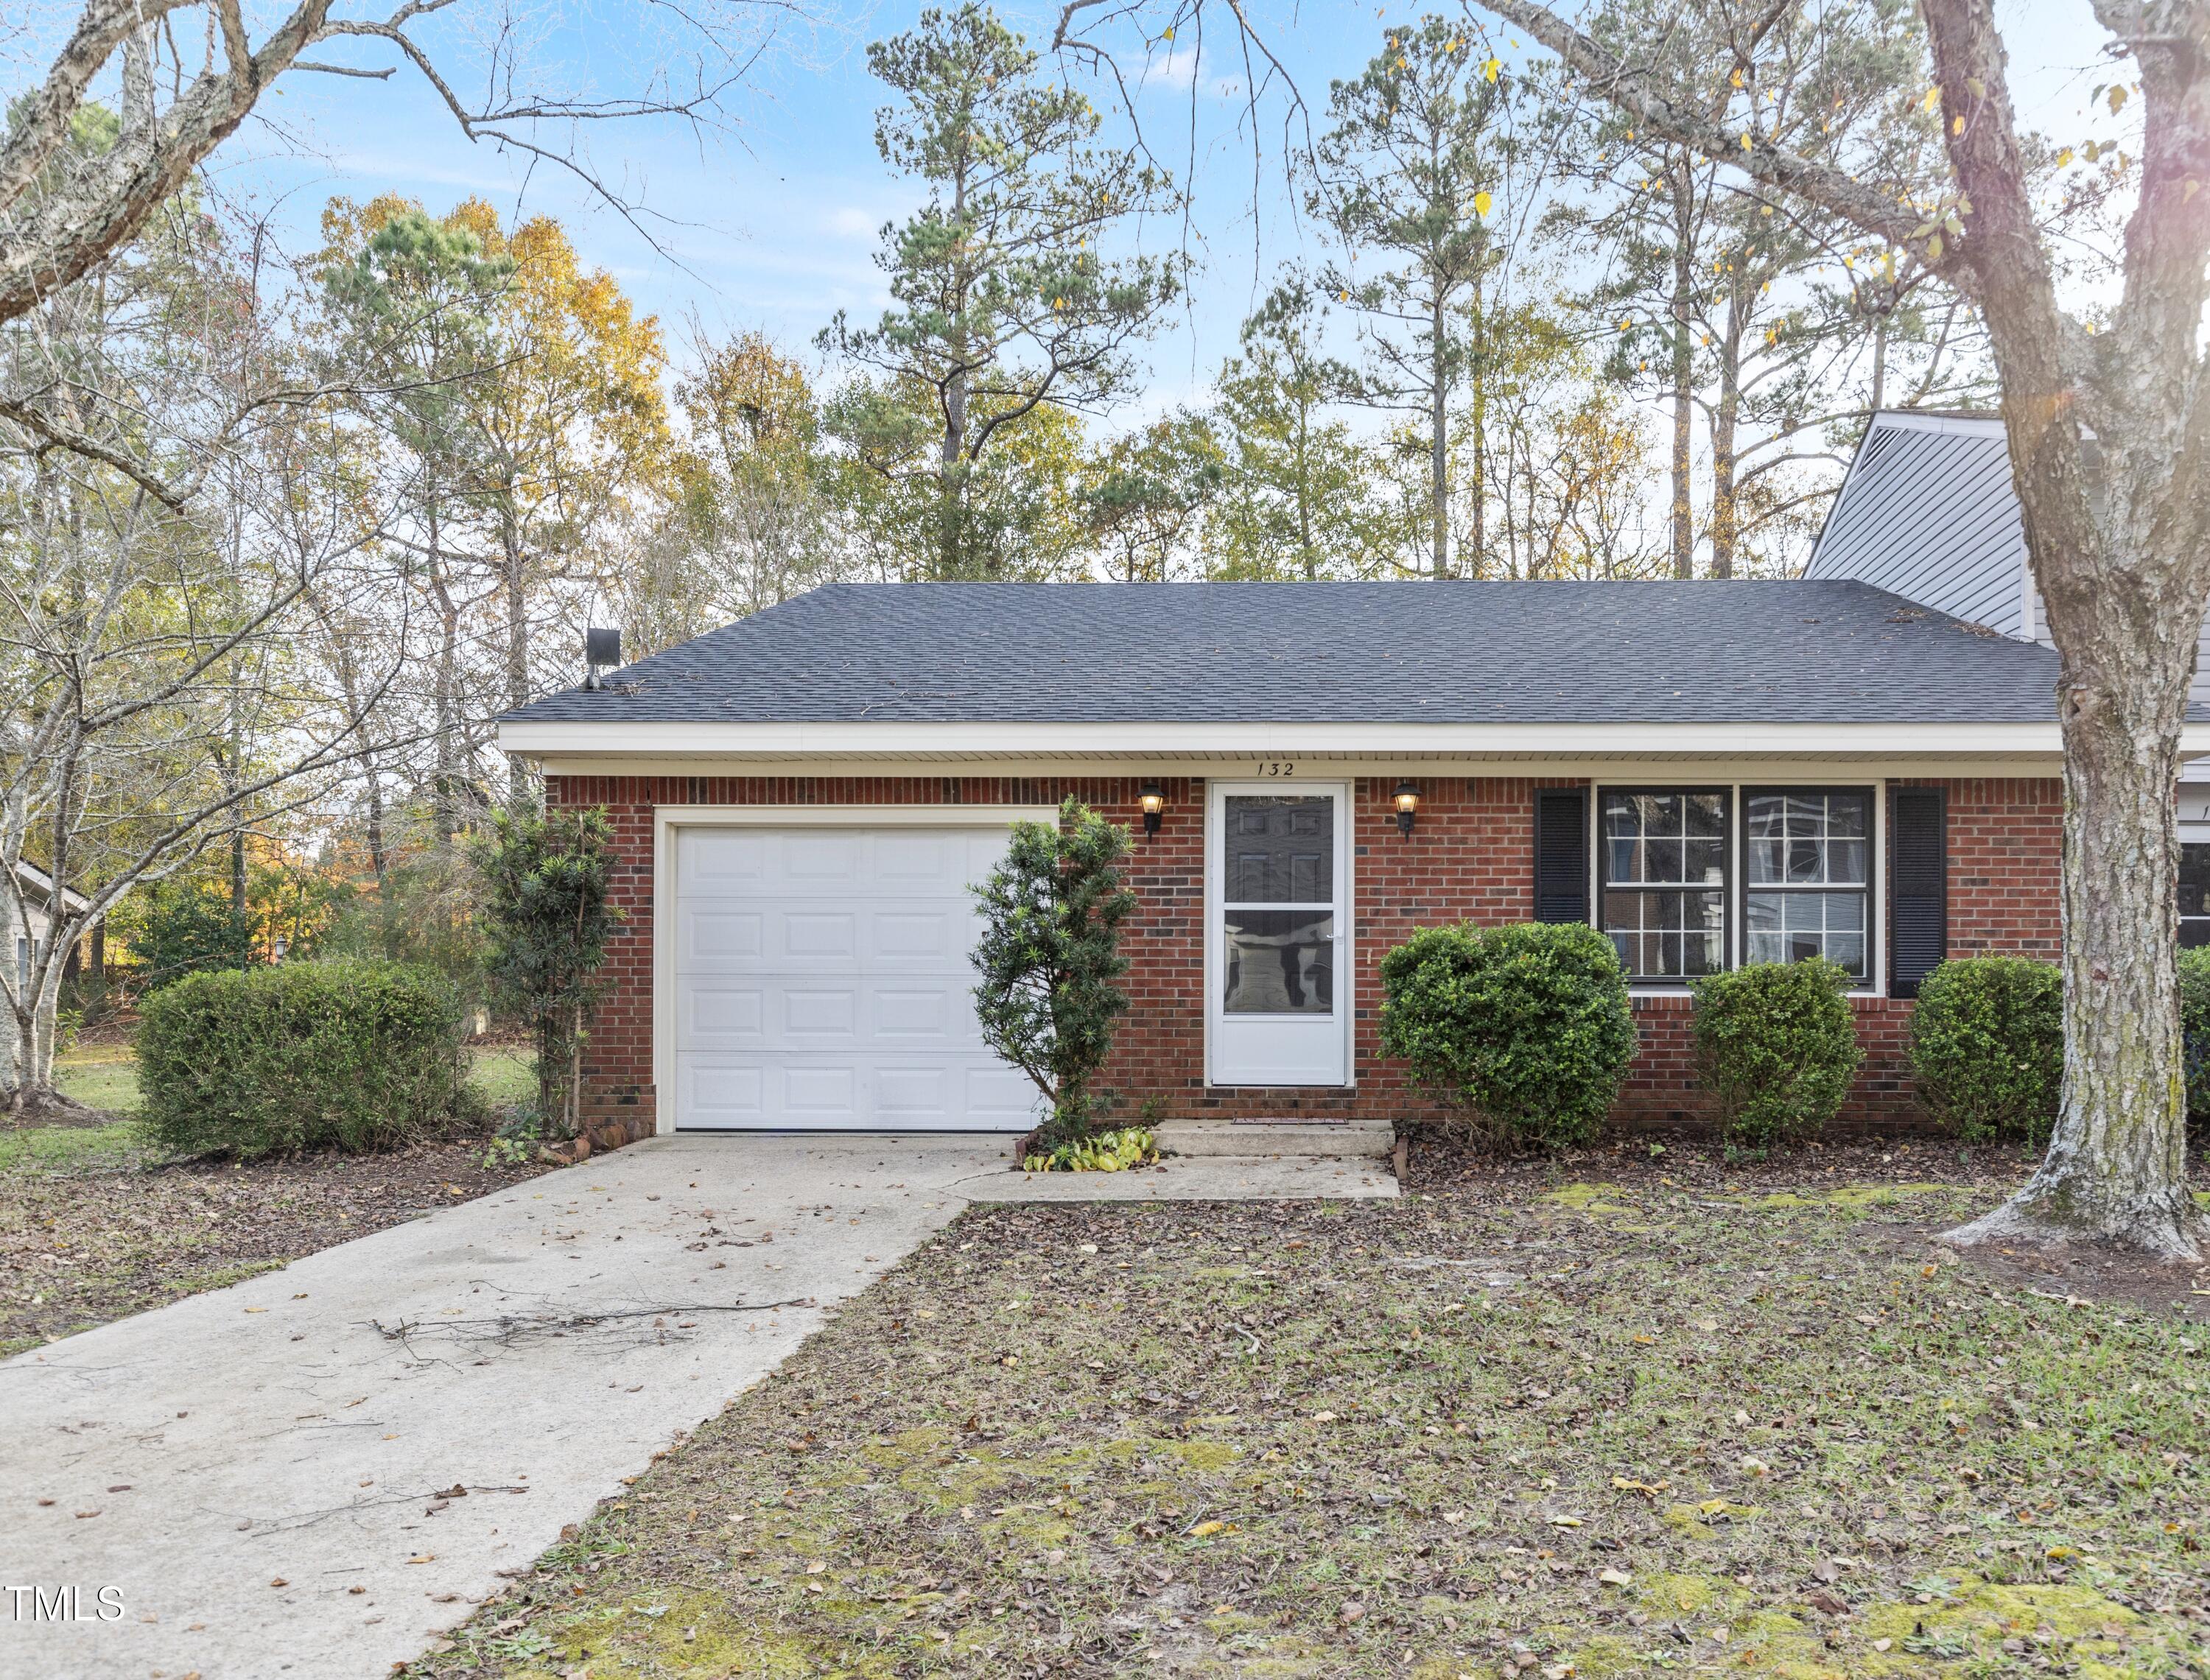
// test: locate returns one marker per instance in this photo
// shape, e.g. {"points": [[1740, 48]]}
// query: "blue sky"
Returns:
{"points": [[773, 224]]}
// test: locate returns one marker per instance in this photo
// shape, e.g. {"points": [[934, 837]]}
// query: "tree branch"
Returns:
{"points": [[1635, 91]]}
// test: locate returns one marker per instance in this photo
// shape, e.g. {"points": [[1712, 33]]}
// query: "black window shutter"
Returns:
{"points": [[1918, 886], [1561, 871]]}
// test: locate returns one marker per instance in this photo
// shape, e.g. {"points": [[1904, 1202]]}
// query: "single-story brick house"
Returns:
{"points": [[1712, 772]]}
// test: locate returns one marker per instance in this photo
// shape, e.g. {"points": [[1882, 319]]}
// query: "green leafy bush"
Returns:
{"points": [[1049, 959], [347, 1054], [176, 928], [1987, 1046], [1107, 1151], [1776, 1043], [1527, 1025], [545, 883], [2195, 1027]]}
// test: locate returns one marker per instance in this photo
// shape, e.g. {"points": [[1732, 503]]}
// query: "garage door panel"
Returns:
{"points": [[861, 1092], [722, 1014], [826, 935], [1000, 1098], [716, 1090], [920, 859], [880, 864], [910, 1094], [934, 936], [807, 861], [820, 1092], [817, 933], [923, 1014], [723, 860], [718, 936], [823, 981], [821, 1012]]}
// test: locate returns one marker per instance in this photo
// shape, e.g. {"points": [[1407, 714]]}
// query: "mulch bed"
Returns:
{"points": [[97, 1235]]}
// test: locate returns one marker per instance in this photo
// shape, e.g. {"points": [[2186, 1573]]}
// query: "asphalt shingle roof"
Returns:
{"points": [[1770, 652]]}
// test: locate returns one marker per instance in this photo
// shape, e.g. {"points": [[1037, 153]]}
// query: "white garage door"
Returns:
{"points": [[822, 982]]}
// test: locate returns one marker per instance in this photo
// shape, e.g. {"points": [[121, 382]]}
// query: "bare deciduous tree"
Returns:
{"points": [[62, 211]]}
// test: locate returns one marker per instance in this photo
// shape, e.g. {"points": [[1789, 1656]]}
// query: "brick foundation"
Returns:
{"points": [[1469, 857]]}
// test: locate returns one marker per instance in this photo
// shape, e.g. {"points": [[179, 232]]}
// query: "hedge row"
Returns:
{"points": [[1526, 1032], [344, 1054]]}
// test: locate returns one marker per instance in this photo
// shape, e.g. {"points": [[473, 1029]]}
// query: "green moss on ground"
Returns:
{"points": [[1588, 1432]]}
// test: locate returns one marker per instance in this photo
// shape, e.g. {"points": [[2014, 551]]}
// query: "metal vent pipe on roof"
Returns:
{"points": [[602, 652]]}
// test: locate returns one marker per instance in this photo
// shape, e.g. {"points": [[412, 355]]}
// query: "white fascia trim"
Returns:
{"points": [[1904, 419], [1262, 740]]}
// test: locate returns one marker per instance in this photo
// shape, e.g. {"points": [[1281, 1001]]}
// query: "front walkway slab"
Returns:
{"points": [[1196, 1178], [314, 1472]]}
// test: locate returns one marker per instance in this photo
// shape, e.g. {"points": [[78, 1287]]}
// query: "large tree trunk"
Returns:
{"points": [[1439, 447], [951, 483], [2117, 1169], [517, 638], [1477, 524], [1725, 523], [2117, 1166], [2115, 533]]}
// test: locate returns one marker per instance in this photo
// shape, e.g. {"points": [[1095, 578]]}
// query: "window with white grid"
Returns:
{"points": [[1807, 876], [1664, 899]]}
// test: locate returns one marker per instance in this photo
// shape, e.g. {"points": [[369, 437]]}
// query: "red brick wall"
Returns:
{"points": [[1469, 857]]}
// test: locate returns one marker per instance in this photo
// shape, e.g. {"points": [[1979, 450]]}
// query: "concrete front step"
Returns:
{"points": [[1360, 1140]]}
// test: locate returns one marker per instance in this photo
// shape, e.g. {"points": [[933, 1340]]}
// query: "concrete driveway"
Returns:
{"points": [[314, 1472]]}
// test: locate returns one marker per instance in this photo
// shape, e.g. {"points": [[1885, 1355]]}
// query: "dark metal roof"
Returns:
{"points": [[1748, 651]]}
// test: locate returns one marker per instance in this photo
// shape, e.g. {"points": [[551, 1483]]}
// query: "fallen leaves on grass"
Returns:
{"points": [[1417, 1472]]}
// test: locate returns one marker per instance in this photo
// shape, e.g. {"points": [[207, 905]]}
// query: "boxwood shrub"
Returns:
{"points": [[347, 1054], [1987, 1047], [1777, 1045], [2194, 1026], [1527, 1026]]}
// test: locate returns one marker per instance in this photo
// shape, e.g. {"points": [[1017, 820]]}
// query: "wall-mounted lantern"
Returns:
{"points": [[1407, 807], [1154, 802]]}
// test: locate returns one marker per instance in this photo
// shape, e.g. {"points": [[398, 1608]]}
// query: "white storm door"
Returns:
{"points": [[822, 982], [1277, 949]]}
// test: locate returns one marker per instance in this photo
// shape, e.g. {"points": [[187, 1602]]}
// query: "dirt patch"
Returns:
{"points": [[1584, 1419], [92, 1229]]}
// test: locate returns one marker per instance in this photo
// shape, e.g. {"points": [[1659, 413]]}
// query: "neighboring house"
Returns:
{"points": [[1711, 773], [32, 929], [1927, 511]]}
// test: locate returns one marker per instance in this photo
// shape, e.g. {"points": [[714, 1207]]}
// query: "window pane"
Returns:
{"points": [[1675, 838], [1808, 839], [1281, 849], [1280, 962], [1789, 927], [2194, 878], [1667, 935]]}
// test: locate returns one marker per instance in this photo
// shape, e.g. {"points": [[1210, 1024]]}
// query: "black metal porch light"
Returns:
{"points": [[1407, 807], [1154, 802]]}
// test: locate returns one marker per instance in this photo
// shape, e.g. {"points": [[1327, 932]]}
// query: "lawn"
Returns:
{"points": [[1531, 1424]]}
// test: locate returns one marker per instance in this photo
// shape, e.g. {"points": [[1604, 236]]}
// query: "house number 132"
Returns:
{"points": [[1279, 766]]}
